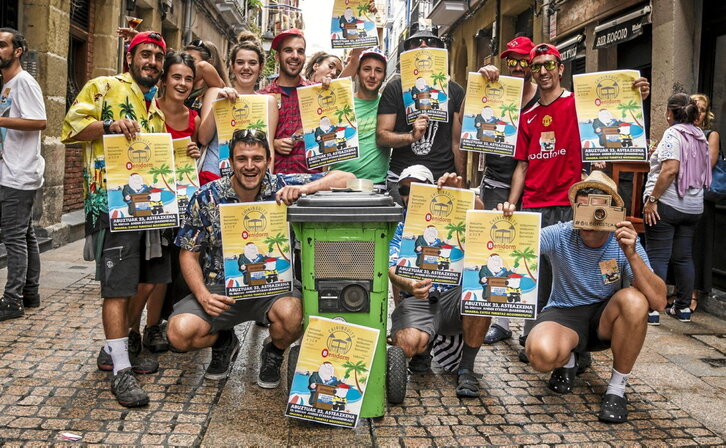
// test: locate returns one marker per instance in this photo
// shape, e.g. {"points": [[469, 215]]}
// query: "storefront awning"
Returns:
{"points": [[568, 48], [622, 29]]}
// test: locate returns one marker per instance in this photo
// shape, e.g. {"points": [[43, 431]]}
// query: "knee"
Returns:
{"points": [[543, 356], [181, 331], [633, 304], [286, 311], [412, 341]]}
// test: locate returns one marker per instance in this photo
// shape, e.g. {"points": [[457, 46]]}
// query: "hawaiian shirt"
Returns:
{"points": [[289, 122], [201, 230], [106, 97]]}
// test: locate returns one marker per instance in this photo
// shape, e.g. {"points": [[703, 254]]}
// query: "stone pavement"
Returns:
{"points": [[49, 384]]}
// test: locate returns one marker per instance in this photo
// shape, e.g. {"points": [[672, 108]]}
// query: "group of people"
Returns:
{"points": [[581, 310]]}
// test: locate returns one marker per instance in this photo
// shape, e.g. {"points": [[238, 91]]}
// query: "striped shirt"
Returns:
{"points": [[576, 267]]}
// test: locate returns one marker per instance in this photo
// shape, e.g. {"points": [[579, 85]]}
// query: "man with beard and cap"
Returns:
{"points": [[119, 104]]}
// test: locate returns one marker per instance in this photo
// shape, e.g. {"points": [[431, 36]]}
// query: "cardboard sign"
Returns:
{"points": [[597, 214], [425, 83]]}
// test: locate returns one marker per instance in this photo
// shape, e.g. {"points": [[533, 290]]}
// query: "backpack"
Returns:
{"points": [[717, 191]]}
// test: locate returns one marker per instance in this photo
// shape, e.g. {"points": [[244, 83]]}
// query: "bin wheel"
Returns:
{"points": [[292, 356], [396, 375]]}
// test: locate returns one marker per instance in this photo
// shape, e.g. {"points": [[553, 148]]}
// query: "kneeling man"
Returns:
{"points": [[590, 307], [206, 318]]}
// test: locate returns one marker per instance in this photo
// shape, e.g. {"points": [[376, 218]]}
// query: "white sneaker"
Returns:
{"points": [[654, 318]]}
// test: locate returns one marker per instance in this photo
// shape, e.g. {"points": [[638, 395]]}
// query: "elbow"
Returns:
{"points": [[42, 124]]}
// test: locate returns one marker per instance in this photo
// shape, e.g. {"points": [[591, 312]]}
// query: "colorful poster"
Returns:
{"points": [[432, 244], [141, 182], [501, 264], [425, 82], [5, 103], [331, 372], [352, 25], [187, 178], [491, 114], [248, 112], [329, 123], [256, 249], [610, 117]]}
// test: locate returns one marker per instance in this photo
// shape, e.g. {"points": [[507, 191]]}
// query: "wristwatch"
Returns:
{"points": [[653, 199], [107, 126]]}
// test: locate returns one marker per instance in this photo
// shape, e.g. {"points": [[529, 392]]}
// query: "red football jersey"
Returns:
{"points": [[549, 139]]}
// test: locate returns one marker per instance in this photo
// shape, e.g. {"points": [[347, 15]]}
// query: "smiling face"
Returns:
{"points": [[145, 64], [370, 75], [327, 67], [178, 82], [517, 71], [249, 162], [291, 56], [547, 79], [246, 67]]}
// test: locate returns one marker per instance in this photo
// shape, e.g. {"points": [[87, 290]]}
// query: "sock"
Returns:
{"points": [[504, 323], [617, 383], [222, 337], [571, 362], [119, 351], [468, 355], [273, 348]]}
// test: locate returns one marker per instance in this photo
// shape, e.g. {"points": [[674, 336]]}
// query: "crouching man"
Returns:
{"points": [[590, 308], [206, 318]]}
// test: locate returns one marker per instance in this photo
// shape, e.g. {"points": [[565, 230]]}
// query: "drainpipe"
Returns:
{"points": [[188, 22]]}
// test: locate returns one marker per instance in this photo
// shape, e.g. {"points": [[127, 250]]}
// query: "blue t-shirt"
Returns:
{"points": [[578, 279]]}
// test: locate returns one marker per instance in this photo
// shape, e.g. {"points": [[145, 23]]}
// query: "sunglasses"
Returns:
{"points": [[155, 36], [433, 42], [514, 62], [242, 134], [198, 43], [548, 65]]}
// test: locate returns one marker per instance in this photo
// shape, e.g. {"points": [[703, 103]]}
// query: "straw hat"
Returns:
{"points": [[597, 179]]}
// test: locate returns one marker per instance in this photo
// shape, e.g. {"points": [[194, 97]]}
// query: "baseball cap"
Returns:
{"points": [[148, 37], [519, 45], [541, 49], [374, 52], [418, 172], [287, 33]]}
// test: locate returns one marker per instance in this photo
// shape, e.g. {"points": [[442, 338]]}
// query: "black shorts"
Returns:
{"points": [[123, 264], [583, 320], [442, 317]]}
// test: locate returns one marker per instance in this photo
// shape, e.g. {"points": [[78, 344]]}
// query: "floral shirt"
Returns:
{"points": [[201, 230], [106, 97]]}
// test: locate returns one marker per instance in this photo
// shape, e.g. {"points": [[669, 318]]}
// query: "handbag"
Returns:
{"points": [[717, 191]]}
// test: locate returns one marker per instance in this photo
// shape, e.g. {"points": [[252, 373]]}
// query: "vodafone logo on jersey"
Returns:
{"points": [[544, 155]]}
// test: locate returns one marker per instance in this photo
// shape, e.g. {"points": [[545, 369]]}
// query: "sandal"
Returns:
{"points": [[467, 384]]}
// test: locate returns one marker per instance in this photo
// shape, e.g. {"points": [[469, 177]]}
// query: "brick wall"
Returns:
{"points": [[73, 179]]}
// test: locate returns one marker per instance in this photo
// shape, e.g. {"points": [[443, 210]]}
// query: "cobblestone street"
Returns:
{"points": [[49, 384]]}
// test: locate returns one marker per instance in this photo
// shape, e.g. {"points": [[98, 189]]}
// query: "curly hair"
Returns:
{"points": [[709, 114]]}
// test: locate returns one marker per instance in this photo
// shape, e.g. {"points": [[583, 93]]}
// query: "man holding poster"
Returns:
{"points": [[206, 317], [590, 308]]}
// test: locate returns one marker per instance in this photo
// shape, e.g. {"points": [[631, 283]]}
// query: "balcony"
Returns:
{"points": [[231, 11], [446, 12]]}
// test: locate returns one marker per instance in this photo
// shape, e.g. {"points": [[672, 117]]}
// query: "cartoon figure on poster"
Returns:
{"points": [[352, 25], [424, 83], [610, 116], [500, 269]]}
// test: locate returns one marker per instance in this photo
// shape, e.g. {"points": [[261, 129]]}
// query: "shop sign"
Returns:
{"points": [[619, 33]]}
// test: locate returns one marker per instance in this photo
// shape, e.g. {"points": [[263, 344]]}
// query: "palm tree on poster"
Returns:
{"points": [[525, 256], [162, 172], [357, 368], [456, 228], [346, 113], [278, 240], [631, 106], [440, 79], [185, 170], [508, 109]]}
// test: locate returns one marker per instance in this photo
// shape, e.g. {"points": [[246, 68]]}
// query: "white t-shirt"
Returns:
{"points": [[22, 166]]}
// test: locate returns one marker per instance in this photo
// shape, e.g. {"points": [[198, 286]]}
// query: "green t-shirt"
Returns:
{"points": [[373, 161]]}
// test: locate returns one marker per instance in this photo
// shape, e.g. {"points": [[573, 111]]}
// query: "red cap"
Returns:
{"points": [[287, 33], [520, 45], [539, 50], [148, 37]]}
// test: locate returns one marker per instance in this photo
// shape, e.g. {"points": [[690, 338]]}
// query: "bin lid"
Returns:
{"points": [[345, 206]]}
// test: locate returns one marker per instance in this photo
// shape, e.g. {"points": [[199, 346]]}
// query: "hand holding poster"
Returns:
{"points": [[610, 116], [329, 123], [501, 264], [491, 114], [331, 372], [425, 82], [247, 112], [256, 249], [352, 25], [187, 178], [141, 182], [432, 245]]}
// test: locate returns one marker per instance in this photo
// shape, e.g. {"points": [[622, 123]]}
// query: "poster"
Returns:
{"points": [[256, 249], [610, 117], [248, 112], [491, 114], [187, 177], [141, 182], [5, 103], [352, 25], [330, 130], [501, 264], [331, 372], [433, 234], [425, 82]]}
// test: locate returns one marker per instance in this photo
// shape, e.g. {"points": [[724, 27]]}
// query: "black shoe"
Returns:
{"points": [[154, 339], [31, 300], [496, 333], [420, 363], [134, 343], [127, 389], [522, 340], [583, 362], [270, 362], [467, 384], [562, 379], [10, 309], [142, 366], [223, 353], [614, 409], [522, 355]]}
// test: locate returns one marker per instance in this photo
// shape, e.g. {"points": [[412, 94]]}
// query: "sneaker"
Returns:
{"points": [[154, 339], [270, 362], [142, 366], [496, 333], [223, 352], [134, 343], [10, 309], [31, 301], [127, 390], [654, 318], [682, 314], [522, 355], [420, 363]]}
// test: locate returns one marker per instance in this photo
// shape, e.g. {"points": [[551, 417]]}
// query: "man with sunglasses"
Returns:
{"points": [[206, 317], [435, 144], [120, 104]]}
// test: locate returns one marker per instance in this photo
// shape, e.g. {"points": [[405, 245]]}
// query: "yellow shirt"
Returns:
{"points": [[106, 97]]}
